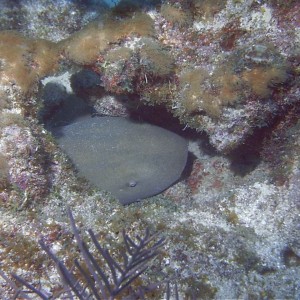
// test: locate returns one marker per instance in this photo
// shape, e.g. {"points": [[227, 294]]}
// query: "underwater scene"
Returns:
{"points": [[150, 149]]}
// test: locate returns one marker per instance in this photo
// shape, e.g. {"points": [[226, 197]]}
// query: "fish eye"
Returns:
{"points": [[132, 183]]}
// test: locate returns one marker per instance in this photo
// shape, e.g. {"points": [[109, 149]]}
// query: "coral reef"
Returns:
{"points": [[218, 92], [226, 70]]}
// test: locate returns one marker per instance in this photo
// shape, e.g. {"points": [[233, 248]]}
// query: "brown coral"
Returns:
{"points": [[122, 53], [261, 79], [206, 9], [155, 59], [175, 15], [85, 46], [208, 93], [14, 54], [24, 60]]}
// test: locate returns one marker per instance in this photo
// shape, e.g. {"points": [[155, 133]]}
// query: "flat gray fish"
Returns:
{"points": [[131, 160]]}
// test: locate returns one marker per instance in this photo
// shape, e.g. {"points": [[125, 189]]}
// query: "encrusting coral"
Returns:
{"points": [[155, 60], [24, 61], [206, 93], [262, 79], [85, 46], [175, 15]]}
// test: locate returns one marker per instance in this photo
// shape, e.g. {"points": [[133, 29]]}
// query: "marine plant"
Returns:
{"points": [[89, 279]]}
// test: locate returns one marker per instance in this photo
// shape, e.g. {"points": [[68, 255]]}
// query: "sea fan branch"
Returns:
{"points": [[96, 282]]}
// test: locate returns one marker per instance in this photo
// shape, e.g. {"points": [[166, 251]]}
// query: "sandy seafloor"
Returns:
{"points": [[231, 223]]}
